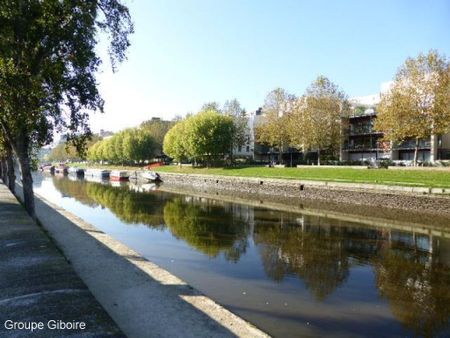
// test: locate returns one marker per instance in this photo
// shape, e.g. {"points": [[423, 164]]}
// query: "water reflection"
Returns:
{"points": [[410, 270], [416, 284], [128, 205], [206, 226], [315, 254]]}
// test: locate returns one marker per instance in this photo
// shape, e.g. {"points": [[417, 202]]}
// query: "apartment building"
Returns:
{"points": [[363, 143]]}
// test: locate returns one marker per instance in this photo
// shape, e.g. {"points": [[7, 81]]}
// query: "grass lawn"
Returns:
{"points": [[419, 178]]}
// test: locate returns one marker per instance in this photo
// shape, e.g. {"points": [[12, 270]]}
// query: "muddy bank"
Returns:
{"points": [[358, 199]]}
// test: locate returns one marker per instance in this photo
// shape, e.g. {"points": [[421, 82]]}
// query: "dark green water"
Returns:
{"points": [[291, 274]]}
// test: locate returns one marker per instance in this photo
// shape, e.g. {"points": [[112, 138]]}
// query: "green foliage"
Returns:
{"points": [[241, 131], [317, 122], [175, 145], [158, 129], [48, 63], [209, 135], [273, 131], [359, 110], [67, 152], [129, 146], [205, 137], [191, 222], [418, 103]]}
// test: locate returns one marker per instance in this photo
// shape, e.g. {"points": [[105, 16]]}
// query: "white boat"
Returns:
{"points": [[150, 176], [76, 171], [61, 169], [119, 175], [103, 173]]}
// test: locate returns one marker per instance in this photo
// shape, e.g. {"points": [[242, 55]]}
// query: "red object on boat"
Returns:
{"points": [[154, 165], [116, 178], [119, 175]]}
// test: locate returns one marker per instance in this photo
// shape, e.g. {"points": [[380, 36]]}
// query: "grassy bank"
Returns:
{"points": [[419, 178]]}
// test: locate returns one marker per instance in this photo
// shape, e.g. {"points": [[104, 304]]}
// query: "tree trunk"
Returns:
{"points": [[318, 157], [280, 153], [231, 155], [416, 152], [11, 173], [433, 148], [4, 170], [22, 151]]}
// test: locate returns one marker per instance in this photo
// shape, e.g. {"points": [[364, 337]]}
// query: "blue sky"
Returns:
{"points": [[187, 52]]}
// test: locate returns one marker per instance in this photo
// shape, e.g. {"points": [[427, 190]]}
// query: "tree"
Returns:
{"points": [[273, 129], [318, 117], [233, 109], [65, 151], [204, 137], [209, 136], [418, 104], [7, 164], [175, 142], [190, 221], [158, 129], [215, 106], [48, 63]]}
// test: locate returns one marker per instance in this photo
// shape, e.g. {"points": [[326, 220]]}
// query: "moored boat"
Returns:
{"points": [[61, 169], [102, 173], [119, 175], [76, 171], [151, 176], [48, 169]]}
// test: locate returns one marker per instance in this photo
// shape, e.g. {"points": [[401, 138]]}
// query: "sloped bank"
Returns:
{"points": [[427, 201]]}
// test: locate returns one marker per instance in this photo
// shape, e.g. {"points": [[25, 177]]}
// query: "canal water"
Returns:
{"points": [[291, 274]]}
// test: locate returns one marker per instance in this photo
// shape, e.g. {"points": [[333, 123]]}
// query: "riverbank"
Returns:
{"points": [[427, 201], [426, 177], [361, 175], [38, 286], [142, 298]]}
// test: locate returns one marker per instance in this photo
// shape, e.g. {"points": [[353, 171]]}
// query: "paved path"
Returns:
{"points": [[37, 284]]}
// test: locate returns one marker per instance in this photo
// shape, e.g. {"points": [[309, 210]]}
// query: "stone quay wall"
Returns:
{"points": [[418, 199]]}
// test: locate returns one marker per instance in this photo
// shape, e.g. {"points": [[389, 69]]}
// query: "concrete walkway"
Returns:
{"points": [[38, 286], [142, 298]]}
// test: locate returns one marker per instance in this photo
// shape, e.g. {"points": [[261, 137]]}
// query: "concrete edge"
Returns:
{"points": [[209, 307]]}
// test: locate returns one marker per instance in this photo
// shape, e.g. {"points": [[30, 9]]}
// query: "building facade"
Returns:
{"points": [[364, 143]]}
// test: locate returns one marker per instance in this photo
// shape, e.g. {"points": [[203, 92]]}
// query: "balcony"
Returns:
{"points": [[374, 146], [411, 144], [362, 128]]}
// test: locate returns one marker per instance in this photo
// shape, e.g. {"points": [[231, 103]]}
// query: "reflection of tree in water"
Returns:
{"points": [[75, 189], [417, 287], [315, 254], [129, 206], [211, 229]]}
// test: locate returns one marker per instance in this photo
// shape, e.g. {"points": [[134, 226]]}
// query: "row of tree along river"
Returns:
{"points": [[289, 273]]}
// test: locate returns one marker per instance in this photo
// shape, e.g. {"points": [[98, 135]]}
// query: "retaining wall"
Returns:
{"points": [[426, 200]]}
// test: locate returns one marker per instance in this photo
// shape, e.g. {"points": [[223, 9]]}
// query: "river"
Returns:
{"points": [[290, 274]]}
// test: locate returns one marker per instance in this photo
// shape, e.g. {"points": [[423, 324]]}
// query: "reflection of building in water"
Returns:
{"points": [[412, 269], [413, 274]]}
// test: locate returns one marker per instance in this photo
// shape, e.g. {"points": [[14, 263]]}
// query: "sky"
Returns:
{"points": [[188, 52]]}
